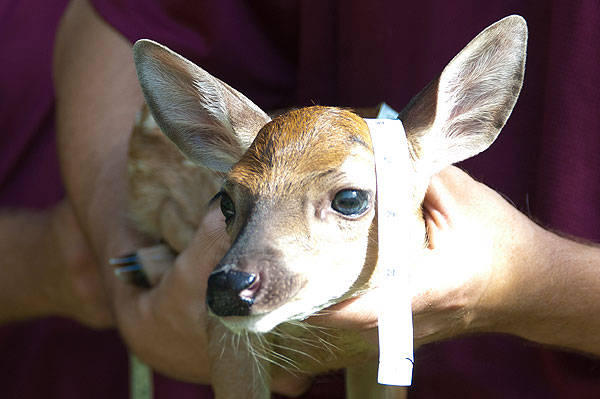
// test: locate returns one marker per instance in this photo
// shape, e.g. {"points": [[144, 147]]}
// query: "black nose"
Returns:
{"points": [[225, 294]]}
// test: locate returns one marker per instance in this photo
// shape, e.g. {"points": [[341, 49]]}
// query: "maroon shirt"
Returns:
{"points": [[351, 53], [50, 358]]}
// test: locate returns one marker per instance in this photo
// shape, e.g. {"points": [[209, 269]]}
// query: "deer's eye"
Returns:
{"points": [[351, 202], [227, 206]]}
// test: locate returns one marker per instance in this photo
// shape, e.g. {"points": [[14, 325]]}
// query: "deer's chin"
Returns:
{"points": [[258, 324], [264, 323], [250, 324]]}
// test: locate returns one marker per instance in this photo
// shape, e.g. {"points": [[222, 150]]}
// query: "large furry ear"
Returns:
{"points": [[210, 122], [461, 112]]}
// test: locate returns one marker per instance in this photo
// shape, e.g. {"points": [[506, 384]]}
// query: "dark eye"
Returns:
{"points": [[227, 206], [351, 202]]}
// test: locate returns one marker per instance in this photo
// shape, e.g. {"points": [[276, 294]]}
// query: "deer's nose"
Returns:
{"points": [[231, 292]]}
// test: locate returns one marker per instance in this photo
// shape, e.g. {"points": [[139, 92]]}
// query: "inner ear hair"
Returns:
{"points": [[211, 123], [461, 112]]}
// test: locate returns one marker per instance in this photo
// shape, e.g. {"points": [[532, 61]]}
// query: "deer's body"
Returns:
{"points": [[164, 200], [298, 195]]}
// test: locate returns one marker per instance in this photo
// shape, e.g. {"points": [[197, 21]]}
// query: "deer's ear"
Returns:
{"points": [[461, 112], [210, 122]]}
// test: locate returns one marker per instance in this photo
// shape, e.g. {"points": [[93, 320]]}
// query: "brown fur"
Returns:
{"points": [[165, 202], [300, 143]]}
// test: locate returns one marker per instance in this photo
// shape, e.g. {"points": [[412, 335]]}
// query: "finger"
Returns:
{"points": [[358, 314]]}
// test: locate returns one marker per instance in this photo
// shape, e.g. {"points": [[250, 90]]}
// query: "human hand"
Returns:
{"points": [[489, 268], [477, 244], [166, 326]]}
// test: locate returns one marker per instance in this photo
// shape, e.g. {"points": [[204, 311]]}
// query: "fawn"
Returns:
{"points": [[298, 193]]}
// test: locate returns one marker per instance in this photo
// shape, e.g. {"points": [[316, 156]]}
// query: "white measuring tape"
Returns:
{"points": [[396, 354]]}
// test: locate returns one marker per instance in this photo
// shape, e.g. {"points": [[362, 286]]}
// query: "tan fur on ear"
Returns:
{"points": [[210, 122]]}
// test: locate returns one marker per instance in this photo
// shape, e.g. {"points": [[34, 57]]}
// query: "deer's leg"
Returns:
{"points": [[144, 267], [147, 265]]}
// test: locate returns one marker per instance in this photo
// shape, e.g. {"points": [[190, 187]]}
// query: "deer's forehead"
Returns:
{"points": [[301, 145]]}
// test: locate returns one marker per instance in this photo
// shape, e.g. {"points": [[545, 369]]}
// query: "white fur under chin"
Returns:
{"points": [[262, 324]]}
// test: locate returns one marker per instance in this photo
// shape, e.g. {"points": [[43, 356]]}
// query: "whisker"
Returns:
{"points": [[258, 366], [271, 356], [305, 341], [320, 341], [296, 351]]}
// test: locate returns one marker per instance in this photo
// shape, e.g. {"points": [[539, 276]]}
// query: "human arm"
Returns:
{"points": [[489, 268], [98, 97], [521, 278], [47, 268]]}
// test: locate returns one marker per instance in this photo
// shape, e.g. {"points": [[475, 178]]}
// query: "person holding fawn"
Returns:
{"points": [[521, 280]]}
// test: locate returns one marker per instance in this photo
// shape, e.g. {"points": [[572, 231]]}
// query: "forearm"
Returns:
{"points": [[26, 254], [490, 269], [97, 99], [98, 96], [47, 268], [503, 273], [556, 295]]}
